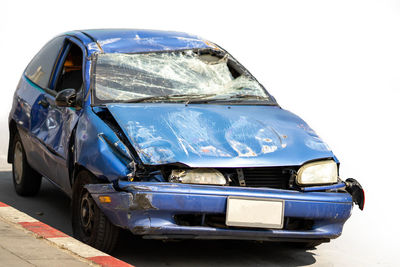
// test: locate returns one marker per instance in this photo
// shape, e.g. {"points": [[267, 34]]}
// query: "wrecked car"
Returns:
{"points": [[169, 136]]}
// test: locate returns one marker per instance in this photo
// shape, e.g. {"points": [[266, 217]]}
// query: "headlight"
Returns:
{"points": [[320, 172], [197, 176]]}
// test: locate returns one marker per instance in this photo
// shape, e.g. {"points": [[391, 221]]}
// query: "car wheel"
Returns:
{"points": [[26, 180], [89, 224]]}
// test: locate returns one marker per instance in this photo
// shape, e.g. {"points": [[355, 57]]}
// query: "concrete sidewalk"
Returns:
{"points": [[20, 248], [25, 241]]}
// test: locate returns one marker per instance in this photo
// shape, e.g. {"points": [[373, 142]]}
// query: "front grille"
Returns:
{"points": [[218, 221], [201, 219], [272, 177]]}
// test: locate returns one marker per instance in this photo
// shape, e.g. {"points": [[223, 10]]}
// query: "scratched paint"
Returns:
{"points": [[237, 136], [313, 141], [150, 208], [189, 129], [215, 135]]}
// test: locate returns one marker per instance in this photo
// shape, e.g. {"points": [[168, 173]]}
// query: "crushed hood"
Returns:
{"points": [[201, 135]]}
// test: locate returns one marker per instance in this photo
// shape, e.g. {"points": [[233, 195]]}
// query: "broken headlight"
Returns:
{"points": [[319, 172], [197, 176]]}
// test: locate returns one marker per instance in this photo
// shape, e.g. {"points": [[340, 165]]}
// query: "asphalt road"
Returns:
{"points": [[52, 207]]}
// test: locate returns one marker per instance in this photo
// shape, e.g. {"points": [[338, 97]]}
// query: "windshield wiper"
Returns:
{"points": [[182, 97], [199, 98], [247, 96], [231, 98]]}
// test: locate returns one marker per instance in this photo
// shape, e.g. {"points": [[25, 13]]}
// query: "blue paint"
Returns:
{"points": [[329, 211], [132, 41], [106, 164], [201, 135], [56, 140], [135, 40], [325, 187]]}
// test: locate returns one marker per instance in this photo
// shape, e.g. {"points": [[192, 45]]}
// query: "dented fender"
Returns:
{"points": [[98, 148], [125, 209]]}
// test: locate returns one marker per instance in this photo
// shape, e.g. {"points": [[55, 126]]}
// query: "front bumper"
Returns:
{"points": [[150, 209]]}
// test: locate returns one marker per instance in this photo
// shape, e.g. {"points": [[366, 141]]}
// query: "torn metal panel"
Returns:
{"points": [[218, 136], [143, 201], [119, 210], [98, 148], [117, 146]]}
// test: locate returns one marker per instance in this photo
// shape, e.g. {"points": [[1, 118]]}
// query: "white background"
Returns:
{"points": [[334, 63]]}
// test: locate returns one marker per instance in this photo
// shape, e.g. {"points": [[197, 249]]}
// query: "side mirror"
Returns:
{"points": [[66, 98]]}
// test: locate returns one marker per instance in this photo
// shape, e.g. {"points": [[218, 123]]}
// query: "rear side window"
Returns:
{"points": [[40, 68]]}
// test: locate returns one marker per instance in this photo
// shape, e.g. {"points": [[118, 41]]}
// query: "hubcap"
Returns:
{"points": [[18, 162], [87, 213]]}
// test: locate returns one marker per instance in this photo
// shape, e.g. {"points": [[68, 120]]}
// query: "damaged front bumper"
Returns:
{"points": [[168, 210]]}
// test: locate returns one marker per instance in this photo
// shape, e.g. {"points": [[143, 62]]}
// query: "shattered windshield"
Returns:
{"points": [[174, 76]]}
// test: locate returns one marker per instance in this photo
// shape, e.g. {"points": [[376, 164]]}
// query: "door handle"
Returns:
{"points": [[43, 103]]}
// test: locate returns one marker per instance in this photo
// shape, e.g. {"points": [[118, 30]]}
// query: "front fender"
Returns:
{"points": [[98, 148]]}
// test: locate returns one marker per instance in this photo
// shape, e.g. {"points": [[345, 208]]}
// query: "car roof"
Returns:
{"points": [[136, 40]]}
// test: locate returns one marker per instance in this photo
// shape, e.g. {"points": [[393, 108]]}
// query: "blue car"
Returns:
{"points": [[169, 136]]}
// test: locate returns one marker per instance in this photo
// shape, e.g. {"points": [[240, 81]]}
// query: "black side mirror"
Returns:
{"points": [[66, 98]]}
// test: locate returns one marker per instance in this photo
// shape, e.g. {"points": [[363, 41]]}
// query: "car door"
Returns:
{"points": [[55, 124], [32, 95]]}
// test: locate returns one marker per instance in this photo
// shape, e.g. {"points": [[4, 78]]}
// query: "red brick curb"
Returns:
{"points": [[58, 238], [42, 230], [109, 261]]}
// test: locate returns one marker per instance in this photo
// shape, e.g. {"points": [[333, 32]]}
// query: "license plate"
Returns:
{"points": [[255, 212]]}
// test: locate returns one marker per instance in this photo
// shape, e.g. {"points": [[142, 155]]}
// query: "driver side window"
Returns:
{"points": [[40, 68], [70, 75]]}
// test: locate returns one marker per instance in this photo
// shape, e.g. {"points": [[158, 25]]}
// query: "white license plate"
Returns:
{"points": [[255, 212]]}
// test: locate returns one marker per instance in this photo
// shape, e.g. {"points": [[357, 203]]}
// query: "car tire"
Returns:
{"points": [[26, 180], [89, 224]]}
